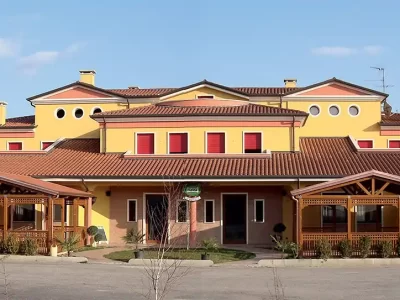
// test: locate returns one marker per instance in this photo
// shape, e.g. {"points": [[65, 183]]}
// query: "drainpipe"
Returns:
{"points": [[127, 102], [105, 135], [84, 184], [280, 101], [293, 136], [297, 212]]}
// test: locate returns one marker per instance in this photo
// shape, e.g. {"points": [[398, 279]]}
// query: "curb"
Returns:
{"points": [[169, 262], [335, 262], [43, 259]]}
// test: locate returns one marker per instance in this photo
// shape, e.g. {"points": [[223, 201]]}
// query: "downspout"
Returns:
{"points": [[84, 184], [280, 102], [297, 212], [128, 103], [293, 136], [105, 135]]}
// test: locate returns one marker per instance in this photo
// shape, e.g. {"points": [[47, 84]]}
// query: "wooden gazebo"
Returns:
{"points": [[344, 195], [19, 191]]}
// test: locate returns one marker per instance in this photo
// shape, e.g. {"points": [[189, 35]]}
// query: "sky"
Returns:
{"points": [[160, 43]]}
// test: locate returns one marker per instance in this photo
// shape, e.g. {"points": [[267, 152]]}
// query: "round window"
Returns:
{"points": [[354, 110], [334, 110], [97, 110], [314, 110], [78, 113], [60, 113]]}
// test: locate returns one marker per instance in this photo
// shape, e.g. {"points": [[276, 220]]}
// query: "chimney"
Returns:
{"points": [[290, 82], [133, 87], [87, 76], [3, 112]]}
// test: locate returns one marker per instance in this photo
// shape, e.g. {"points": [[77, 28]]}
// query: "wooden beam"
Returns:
{"points": [[335, 186], [50, 219], [349, 214], [5, 217], [380, 191], [363, 188], [373, 186]]}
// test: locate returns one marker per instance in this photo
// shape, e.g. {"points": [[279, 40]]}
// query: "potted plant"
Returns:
{"points": [[134, 237], [278, 229], [209, 245], [70, 243], [92, 231]]}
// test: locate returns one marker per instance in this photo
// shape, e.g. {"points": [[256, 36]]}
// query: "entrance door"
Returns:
{"points": [[234, 225], [156, 217]]}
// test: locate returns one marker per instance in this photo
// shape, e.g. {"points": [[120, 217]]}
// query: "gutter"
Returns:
{"points": [[105, 136]]}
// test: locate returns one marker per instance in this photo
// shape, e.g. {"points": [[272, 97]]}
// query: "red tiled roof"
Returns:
{"points": [[25, 121], [233, 110], [319, 157], [393, 119]]}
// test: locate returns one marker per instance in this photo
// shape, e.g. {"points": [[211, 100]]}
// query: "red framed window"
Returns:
{"points": [[145, 143], [46, 145], [15, 146], [215, 142], [394, 144], [178, 143], [365, 144], [252, 142]]}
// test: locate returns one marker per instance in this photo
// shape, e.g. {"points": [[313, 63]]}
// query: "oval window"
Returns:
{"points": [[334, 110], [60, 113], [78, 113], [96, 110], [314, 110], [354, 110]]}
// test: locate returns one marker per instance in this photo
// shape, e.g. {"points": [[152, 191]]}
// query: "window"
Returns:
{"points": [[259, 210], [14, 146], [354, 110], [182, 212], [252, 142], [60, 113], [368, 213], [208, 211], [46, 145], [178, 143], [24, 213], [215, 142], [314, 110], [334, 214], [145, 143], [365, 143], [334, 110], [131, 210], [78, 113], [96, 110], [205, 97], [394, 144]]}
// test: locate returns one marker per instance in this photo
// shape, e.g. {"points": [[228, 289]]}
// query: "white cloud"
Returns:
{"points": [[31, 63], [8, 48], [373, 49], [337, 51], [75, 47]]}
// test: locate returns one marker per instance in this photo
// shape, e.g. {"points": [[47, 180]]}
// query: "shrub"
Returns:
{"points": [[279, 228], [398, 247], [345, 248], [210, 245], [98, 237], [28, 247], [323, 249], [286, 247], [70, 243], [133, 236], [365, 243], [92, 230], [385, 249], [11, 245], [2, 246]]}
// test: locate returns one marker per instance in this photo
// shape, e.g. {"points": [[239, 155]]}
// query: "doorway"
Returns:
{"points": [[156, 217], [234, 218]]}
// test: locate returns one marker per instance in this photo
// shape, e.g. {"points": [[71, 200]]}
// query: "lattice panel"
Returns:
{"points": [[310, 240], [40, 236], [324, 201], [27, 200], [376, 201]]}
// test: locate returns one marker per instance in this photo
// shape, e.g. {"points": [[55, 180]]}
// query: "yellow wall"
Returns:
{"points": [[101, 209], [203, 92]]}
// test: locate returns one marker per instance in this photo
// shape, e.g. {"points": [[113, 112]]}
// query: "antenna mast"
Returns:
{"points": [[382, 70]]}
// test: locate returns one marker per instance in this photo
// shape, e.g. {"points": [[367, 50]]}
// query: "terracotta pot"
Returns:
{"points": [[139, 254]]}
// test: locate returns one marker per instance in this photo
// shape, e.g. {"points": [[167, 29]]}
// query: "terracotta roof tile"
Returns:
{"points": [[25, 121], [393, 119]]}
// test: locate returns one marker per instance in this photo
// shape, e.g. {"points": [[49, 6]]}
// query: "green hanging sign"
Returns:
{"points": [[192, 191]]}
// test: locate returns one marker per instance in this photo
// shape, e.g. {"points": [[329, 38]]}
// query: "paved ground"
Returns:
{"points": [[117, 281]]}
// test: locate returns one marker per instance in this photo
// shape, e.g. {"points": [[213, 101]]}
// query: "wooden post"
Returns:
{"points": [[88, 218], [63, 218], [193, 223], [5, 215], [75, 220], [12, 211], [300, 224], [50, 219], [349, 212], [398, 212]]}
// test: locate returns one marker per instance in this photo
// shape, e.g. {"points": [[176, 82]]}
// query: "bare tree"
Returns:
{"points": [[172, 234]]}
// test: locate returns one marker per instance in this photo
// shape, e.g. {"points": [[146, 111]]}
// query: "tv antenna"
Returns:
{"points": [[382, 80]]}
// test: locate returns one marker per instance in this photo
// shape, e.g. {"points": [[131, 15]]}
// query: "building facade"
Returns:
{"points": [[245, 148]]}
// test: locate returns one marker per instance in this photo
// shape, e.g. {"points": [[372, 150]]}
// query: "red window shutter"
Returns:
{"points": [[178, 143], [365, 144], [216, 142], [145, 143], [394, 144], [46, 145], [15, 146], [252, 141]]}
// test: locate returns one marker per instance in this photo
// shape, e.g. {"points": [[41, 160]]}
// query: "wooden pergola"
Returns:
{"points": [[366, 189], [18, 190]]}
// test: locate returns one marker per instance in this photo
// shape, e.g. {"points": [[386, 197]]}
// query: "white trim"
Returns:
{"points": [[355, 105], [188, 141], [94, 108], [247, 215], [41, 145], [243, 141], [334, 105], [127, 210], [74, 112], [263, 210], [177, 211], [366, 140], [206, 141], [56, 111], [8, 145], [316, 105], [136, 143], [392, 140], [77, 101], [213, 208], [144, 216]]}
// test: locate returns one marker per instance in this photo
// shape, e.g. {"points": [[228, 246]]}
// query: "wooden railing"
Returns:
{"points": [[40, 236], [310, 239], [68, 230]]}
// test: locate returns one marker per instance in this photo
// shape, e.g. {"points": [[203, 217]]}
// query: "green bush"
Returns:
{"points": [[134, 237], [70, 243], [92, 230], [98, 237], [290, 248], [11, 244], [210, 245], [29, 247], [2, 247], [385, 249], [345, 248], [323, 249], [365, 244]]}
